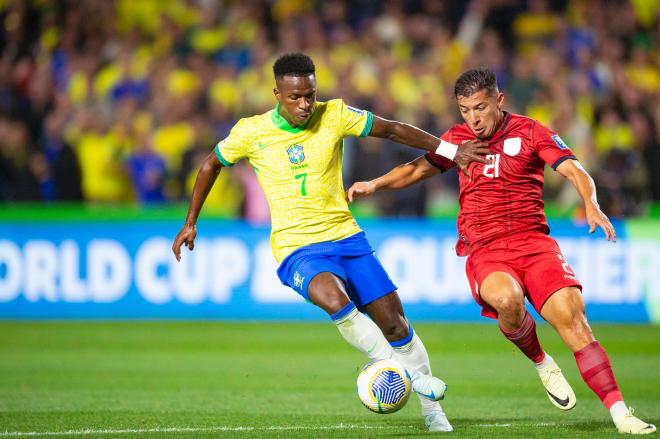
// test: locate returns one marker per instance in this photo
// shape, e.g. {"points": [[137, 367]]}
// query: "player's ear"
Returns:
{"points": [[500, 99], [276, 92]]}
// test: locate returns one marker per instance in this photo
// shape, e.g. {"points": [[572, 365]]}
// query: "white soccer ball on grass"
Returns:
{"points": [[384, 386]]}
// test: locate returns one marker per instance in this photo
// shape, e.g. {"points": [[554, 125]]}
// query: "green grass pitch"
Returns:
{"points": [[223, 379]]}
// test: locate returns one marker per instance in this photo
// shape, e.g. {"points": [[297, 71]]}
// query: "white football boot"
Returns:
{"points": [[559, 391], [436, 421], [631, 424], [428, 386]]}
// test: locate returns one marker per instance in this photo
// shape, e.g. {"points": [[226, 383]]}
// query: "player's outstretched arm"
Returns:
{"points": [[580, 178], [473, 151], [398, 178], [206, 176]]}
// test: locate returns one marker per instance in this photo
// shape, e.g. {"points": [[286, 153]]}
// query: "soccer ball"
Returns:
{"points": [[383, 386]]}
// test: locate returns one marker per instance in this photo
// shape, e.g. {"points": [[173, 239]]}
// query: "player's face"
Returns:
{"points": [[296, 96], [482, 112]]}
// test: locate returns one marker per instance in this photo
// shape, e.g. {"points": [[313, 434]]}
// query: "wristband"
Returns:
{"points": [[447, 150]]}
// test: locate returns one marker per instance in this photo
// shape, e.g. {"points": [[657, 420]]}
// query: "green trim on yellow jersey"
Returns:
{"points": [[282, 123], [367, 127], [221, 158]]}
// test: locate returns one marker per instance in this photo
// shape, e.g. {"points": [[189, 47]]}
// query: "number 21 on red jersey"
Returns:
{"points": [[492, 170]]}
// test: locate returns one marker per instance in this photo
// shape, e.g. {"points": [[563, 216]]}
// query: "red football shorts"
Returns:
{"points": [[534, 260]]}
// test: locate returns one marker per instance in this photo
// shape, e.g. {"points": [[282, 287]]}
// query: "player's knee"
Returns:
{"points": [[502, 292], [327, 292], [334, 304], [394, 330], [509, 305], [330, 300]]}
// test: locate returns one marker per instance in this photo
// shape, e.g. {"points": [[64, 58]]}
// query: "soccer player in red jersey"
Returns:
{"points": [[503, 231]]}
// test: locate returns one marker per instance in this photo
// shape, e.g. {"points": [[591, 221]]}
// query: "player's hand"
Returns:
{"points": [[596, 218], [474, 150], [186, 236], [360, 189]]}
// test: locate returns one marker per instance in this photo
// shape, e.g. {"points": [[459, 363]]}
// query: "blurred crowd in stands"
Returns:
{"points": [[119, 101]]}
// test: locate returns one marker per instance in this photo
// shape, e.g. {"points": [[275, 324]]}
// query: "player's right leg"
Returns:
{"points": [[502, 291], [370, 287], [409, 350], [387, 313], [327, 291]]}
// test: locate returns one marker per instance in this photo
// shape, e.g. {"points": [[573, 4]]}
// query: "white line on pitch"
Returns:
{"points": [[188, 430], [229, 429], [521, 424]]}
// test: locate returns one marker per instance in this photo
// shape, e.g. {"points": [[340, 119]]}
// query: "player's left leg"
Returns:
{"points": [[565, 311], [387, 312], [369, 286]]}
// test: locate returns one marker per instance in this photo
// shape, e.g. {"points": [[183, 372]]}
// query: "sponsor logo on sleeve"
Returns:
{"points": [[560, 143]]}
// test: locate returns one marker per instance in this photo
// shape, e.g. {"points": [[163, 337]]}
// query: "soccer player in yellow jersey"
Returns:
{"points": [[296, 150]]}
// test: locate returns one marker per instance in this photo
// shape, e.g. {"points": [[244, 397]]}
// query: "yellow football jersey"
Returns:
{"points": [[299, 170]]}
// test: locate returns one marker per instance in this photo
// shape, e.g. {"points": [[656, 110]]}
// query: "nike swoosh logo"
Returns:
{"points": [[561, 402], [261, 145], [372, 348]]}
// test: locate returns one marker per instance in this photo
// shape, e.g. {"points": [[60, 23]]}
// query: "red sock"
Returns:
{"points": [[526, 340], [596, 371]]}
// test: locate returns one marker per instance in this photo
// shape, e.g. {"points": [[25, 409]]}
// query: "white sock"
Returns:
{"points": [[415, 359], [362, 333], [618, 410], [547, 360]]}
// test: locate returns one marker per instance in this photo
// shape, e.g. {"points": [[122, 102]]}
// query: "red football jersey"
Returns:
{"points": [[503, 197]]}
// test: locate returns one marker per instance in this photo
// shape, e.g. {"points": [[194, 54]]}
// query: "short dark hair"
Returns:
{"points": [[293, 64], [474, 80]]}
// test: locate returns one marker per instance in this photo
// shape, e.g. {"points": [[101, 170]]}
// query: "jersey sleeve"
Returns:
{"points": [[550, 147], [440, 162], [355, 122], [234, 147]]}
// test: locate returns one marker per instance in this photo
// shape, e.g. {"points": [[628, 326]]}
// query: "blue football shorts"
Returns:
{"points": [[351, 259]]}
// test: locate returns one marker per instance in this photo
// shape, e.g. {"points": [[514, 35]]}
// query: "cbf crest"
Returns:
{"points": [[296, 154]]}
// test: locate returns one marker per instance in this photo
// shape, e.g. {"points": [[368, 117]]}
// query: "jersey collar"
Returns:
{"points": [[282, 123], [505, 121]]}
